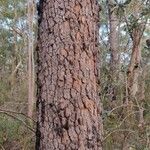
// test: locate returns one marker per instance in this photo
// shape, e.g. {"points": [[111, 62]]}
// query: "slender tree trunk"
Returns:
{"points": [[31, 8], [141, 96], [135, 62], [113, 39], [68, 105], [114, 46], [14, 73], [135, 30], [133, 74]]}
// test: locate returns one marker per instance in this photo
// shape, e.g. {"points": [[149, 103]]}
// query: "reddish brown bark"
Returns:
{"points": [[68, 105]]}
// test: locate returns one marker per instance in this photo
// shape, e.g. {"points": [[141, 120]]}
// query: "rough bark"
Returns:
{"points": [[68, 105]]}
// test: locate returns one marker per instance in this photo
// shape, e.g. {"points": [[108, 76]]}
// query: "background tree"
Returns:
{"points": [[31, 43], [15, 131], [125, 119]]}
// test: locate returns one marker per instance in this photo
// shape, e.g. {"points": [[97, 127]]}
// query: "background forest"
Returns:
{"points": [[124, 35]]}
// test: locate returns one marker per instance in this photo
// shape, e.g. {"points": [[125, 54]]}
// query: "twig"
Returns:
{"points": [[118, 130], [2, 147], [127, 117], [19, 113], [121, 107], [14, 117]]}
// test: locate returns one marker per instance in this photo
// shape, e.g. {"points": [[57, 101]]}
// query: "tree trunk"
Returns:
{"points": [[133, 74], [113, 46], [30, 58], [14, 74], [68, 106], [113, 39], [135, 62]]}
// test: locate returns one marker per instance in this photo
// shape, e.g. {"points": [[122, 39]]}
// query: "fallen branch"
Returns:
{"points": [[14, 117], [19, 113]]}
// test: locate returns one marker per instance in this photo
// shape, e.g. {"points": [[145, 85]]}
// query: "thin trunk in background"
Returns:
{"points": [[31, 10], [134, 71], [135, 29], [114, 48], [13, 77], [113, 39], [135, 62]]}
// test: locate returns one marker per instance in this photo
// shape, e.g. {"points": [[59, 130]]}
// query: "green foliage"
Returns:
{"points": [[4, 90], [120, 126], [13, 83], [9, 129], [14, 135]]}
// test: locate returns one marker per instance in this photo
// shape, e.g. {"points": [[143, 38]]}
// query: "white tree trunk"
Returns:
{"points": [[31, 10]]}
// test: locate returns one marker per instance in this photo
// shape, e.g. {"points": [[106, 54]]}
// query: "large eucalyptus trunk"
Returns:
{"points": [[68, 105]]}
